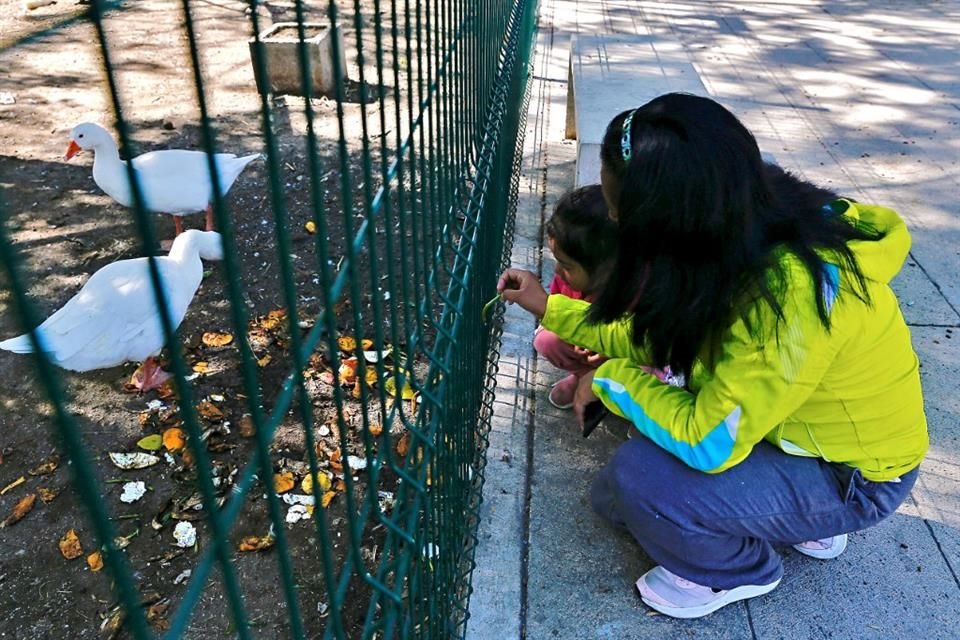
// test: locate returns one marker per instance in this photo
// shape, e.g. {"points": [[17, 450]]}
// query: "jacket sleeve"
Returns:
{"points": [[567, 318], [759, 379]]}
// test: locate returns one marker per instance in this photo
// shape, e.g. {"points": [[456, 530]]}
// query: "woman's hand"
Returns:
{"points": [[524, 288], [584, 395]]}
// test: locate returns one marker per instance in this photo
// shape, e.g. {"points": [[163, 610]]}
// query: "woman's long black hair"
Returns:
{"points": [[701, 217]]}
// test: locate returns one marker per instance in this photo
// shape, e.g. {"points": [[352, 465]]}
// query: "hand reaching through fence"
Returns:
{"points": [[524, 288]]}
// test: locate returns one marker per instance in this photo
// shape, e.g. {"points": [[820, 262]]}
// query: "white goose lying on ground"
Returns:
{"points": [[114, 318], [173, 181]]}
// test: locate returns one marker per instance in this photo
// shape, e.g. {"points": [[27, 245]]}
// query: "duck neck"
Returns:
{"points": [[184, 250], [106, 153], [110, 173]]}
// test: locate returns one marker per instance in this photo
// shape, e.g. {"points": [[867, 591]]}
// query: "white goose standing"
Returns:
{"points": [[173, 181], [114, 318]]}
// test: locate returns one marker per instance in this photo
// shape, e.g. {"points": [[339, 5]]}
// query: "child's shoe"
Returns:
{"points": [[823, 549], [562, 392]]}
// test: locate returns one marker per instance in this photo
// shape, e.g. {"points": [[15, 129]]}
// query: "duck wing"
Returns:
{"points": [[113, 319], [174, 181]]}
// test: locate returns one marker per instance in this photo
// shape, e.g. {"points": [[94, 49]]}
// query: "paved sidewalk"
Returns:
{"points": [[861, 96]]}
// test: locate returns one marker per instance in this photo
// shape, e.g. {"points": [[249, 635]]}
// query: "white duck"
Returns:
{"points": [[173, 181], [114, 318]]}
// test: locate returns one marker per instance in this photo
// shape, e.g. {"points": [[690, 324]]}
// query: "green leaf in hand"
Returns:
{"points": [[488, 308]]}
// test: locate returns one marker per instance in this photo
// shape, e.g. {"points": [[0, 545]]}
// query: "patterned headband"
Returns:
{"points": [[626, 143]]}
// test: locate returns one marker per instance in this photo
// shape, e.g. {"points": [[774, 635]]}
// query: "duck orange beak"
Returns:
{"points": [[72, 149]]}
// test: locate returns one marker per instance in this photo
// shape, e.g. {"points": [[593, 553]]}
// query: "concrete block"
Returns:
{"points": [[611, 73], [281, 47]]}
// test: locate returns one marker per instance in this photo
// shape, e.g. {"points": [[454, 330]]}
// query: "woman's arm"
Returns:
{"points": [[568, 319], [756, 383]]}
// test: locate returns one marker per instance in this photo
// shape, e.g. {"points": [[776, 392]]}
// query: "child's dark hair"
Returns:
{"points": [[582, 228], [701, 222]]}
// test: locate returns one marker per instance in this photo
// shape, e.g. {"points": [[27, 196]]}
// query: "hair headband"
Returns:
{"points": [[626, 143]]}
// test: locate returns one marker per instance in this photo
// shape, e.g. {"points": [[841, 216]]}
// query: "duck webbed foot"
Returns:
{"points": [[149, 375]]}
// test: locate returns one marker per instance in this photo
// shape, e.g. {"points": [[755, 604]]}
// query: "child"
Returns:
{"points": [[582, 237]]}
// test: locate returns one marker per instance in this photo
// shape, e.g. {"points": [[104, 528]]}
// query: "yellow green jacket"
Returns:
{"points": [[850, 394]]}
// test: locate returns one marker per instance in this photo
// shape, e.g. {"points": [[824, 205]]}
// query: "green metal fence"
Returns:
{"points": [[404, 253]]}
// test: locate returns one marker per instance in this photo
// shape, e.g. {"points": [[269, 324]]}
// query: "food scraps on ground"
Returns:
{"points": [[185, 534]]}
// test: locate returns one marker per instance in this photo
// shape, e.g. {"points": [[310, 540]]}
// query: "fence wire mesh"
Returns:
{"points": [[334, 366]]}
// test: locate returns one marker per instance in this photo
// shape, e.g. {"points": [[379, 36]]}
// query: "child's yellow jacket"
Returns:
{"points": [[850, 395]]}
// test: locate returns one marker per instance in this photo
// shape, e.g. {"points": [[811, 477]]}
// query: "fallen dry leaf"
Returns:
{"points": [[348, 371], [216, 339], [174, 439], [247, 428], [112, 623], [375, 429], [273, 320], [167, 390], [323, 482], [210, 411], [264, 361], [390, 384], [283, 482], [201, 367], [347, 344], [357, 389], [70, 545], [47, 495], [46, 468], [95, 561], [403, 445], [327, 498], [310, 226], [340, 486], [157, 614], [256, 543], [22, 508], [366, 345]]}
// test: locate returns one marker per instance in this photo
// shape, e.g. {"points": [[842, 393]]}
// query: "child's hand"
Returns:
{"points": [[590, 358], [584, 395], [524, 288]]}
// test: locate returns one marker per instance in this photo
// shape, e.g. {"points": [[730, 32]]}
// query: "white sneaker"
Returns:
{"points": [[824, 548], [674, 596]]}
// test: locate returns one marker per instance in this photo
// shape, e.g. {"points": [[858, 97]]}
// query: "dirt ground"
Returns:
{"points": [[65, 228]]}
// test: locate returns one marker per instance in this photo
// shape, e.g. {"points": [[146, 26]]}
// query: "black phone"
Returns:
{"points": [[593, 413]]}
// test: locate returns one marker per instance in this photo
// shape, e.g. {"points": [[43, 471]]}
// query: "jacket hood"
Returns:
{"points": [[880, 260]]}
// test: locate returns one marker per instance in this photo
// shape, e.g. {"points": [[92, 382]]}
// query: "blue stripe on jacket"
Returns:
{"points": [[831, 285], [708, 454]]}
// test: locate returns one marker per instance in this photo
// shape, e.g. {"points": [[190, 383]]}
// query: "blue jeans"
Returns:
{"points": [[718, 530]]}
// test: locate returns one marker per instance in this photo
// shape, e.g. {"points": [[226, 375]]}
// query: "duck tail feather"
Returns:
{"points": [[20, 344]]}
